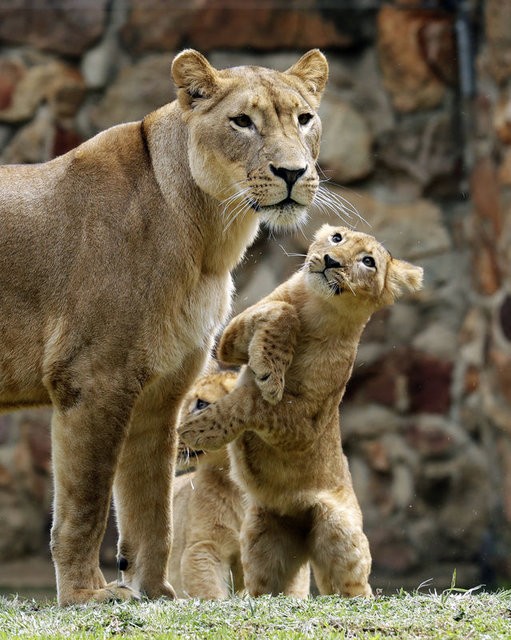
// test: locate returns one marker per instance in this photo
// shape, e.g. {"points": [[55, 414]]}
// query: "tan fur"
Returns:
{"points": [[114, 272], [208, 509], [282, 419]]}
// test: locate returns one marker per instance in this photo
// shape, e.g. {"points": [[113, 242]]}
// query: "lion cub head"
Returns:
{"points": [[205, 391], [349, 266], [254, 134]]}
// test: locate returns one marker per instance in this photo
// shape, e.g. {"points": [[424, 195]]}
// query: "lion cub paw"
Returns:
{"points": [[199, 433], [271, 386], [269, 376]]}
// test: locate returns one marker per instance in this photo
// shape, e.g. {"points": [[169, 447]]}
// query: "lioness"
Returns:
{"points": [[282, 418], [114, 272], [208, 511]]}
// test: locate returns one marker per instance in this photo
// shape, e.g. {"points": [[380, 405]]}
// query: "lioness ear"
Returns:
{"points": [[194, 77], [403, 276], [312, 69]]}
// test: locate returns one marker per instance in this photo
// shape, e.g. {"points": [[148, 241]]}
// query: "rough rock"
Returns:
{"points": [[52, 81], [138, 90], [158, 25], [346, 151], [68, 27], [423, 147], [408, 77], [33, 142], [497, 14]]}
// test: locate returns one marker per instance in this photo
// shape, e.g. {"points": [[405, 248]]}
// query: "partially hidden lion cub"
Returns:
{"points": [[115, 263], [282, 419], [205, 561], [209, 507]]}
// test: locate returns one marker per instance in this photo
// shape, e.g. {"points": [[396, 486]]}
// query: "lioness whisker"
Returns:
{"points": [[343, 202], [238, 184], [232, 214], [235, 196], [242, 208], [327, 205], [235, 210]]}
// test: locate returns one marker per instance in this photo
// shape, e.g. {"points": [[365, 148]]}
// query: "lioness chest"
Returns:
{"points": [[191, 322]]}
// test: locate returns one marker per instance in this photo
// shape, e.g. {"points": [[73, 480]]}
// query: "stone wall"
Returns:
{"points": [[426, 162]]}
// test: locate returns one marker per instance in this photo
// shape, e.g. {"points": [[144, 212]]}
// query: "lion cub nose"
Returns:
{"points": [[330, 263], [290, 176]]}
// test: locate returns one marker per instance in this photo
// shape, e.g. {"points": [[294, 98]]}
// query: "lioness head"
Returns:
{"points": [[254, 134], [342, 262]]}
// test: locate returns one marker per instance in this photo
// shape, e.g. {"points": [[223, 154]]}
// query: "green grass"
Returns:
{"points": [[450, 614]]}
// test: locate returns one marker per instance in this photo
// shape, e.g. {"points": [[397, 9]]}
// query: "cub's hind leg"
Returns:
{"points": [[205, 573], [339, 549], [273, 555]]}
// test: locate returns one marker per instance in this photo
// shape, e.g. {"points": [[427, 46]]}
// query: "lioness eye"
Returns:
{"points": [[337, 237], [242, 121], [201, 404], [304, 118], [369, 261]]}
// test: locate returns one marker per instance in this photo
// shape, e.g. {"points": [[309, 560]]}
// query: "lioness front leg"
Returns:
{"points": [[142, 491], [264, 336], [86, 439]]}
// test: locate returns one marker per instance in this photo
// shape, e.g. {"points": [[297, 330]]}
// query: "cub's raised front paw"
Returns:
{"points": [[271, 387], [201, 433]]}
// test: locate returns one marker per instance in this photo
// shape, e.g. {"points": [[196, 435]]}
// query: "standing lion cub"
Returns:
{"points": [[282, 419], [115, 263], [209, 507]]}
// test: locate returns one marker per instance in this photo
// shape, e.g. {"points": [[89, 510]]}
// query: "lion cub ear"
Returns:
{"points": [[312, 70], [194, 77], [403, 276]]}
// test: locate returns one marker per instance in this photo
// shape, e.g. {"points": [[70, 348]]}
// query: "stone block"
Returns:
{"points": [[46, 81], [347, 142], [497, 17], [68, 27], [138, 90], [405, 38], [160, 25]]}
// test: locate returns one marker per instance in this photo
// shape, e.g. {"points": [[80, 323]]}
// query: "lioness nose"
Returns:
{"points": [[330, 263], [290, 176]]}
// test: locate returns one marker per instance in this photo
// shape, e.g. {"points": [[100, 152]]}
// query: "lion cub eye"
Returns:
{"points": [[242, 121], [305, 118], [201, 404], [369, 261], [336, 238]]}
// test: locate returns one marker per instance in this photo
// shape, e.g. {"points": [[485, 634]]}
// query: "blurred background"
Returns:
{"points": [[417, 138]]}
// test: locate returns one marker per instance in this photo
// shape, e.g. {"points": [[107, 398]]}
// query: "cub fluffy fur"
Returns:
{"points": [[282, 419], [208, 508], [115, 263]]}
